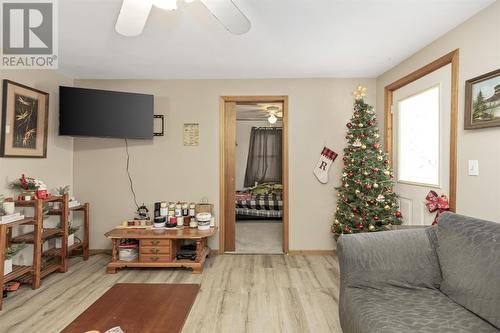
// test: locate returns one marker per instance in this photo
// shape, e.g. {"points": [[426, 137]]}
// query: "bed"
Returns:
{"points": [[259, 206]]}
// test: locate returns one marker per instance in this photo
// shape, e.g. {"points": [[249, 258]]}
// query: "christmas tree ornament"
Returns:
{"points": [[365, 173], [363, 147], [360, 125], [375, 185], [359, 93], [349, 125], [387, 207], [323, 166], [357, 143], [387, 172], [398, 214], [371, 227], [380, 198], [376, 218]]}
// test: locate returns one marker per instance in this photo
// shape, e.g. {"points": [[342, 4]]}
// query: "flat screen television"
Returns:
{"points": [[102, 113]]}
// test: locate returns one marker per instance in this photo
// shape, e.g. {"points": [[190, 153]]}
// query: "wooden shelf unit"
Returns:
{"points": [[56, 258]]}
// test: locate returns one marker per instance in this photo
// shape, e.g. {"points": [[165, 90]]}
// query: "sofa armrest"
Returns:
{"points": [[405, 258]]}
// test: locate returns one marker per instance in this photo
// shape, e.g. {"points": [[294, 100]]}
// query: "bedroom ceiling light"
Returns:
{"points": [[166, 4], [272, 119]]}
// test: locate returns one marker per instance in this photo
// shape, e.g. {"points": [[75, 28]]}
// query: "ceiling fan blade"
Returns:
{"points": [[133, 16], [229, 15]]}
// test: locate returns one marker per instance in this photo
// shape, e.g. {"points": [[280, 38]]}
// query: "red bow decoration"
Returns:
{"points": [[434, 203]]}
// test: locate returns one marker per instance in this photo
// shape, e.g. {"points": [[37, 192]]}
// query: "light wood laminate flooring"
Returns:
{"points": [[239, 293]]}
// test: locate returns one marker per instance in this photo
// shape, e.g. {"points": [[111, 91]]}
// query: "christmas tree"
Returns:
{"points": [[366, 201]]}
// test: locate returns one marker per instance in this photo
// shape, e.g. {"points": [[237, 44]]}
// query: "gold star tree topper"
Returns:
{"points": [[359, 93]]}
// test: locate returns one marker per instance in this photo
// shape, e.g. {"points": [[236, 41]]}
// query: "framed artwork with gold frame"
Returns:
{"points": [[25, 114], [482, 101]]}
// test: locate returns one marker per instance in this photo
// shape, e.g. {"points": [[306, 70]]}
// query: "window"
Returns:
{"points": [[418, 138]]}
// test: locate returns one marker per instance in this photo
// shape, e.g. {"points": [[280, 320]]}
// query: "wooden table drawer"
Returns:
{"points": [[155, 257], [155, 249], [155, 242]]}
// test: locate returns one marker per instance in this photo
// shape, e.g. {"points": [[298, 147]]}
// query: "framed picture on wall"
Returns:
{"points": [[482, 101], [25, 114]]}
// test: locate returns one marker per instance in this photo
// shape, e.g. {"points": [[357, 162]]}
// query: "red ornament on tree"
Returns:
{"points": [[375, 169], [368, 186], [376, 218], [360, 226], [375, 146], [398, 214], [386, 162], [347, 229], [350, 174], [349, 125]]}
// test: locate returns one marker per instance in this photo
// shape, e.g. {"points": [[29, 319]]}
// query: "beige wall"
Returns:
{"points": [[479, 42], [163, 169], [243, 129], [57, 168]]}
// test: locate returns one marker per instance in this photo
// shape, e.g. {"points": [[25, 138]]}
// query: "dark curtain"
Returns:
{"points": [[265, 162]]}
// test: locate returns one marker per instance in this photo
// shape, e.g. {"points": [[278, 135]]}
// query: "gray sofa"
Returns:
{"points": [[444, 278]]}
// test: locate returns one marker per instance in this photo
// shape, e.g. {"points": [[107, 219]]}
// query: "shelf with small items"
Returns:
{"points": [[30, 237]]}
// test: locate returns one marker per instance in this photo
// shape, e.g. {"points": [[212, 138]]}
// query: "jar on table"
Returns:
{"points": [[185, 209], [178, 209], [171, 209], [192, 209], [163, 209]]}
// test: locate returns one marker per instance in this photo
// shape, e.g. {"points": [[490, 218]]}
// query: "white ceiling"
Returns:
{"points": [[257, 111], [288, 38]]}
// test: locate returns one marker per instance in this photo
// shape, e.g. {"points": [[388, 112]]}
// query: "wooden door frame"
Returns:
{"points": [[450, 58], [222, 178]]}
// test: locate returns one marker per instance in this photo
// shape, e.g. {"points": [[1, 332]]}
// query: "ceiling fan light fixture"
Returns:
{"points": [[272, 119], [165, 4]]}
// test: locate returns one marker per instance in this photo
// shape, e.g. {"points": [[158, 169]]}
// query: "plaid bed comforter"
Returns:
{"points": [[261, 202], [264, 205]]}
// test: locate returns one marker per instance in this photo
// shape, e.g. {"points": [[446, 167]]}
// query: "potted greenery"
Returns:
{"points": [[71, 235], [61, 190], [9, 254], [27, 186]]}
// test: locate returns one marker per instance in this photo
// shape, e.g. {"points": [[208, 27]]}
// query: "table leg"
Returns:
{"points": [[114, 252]]}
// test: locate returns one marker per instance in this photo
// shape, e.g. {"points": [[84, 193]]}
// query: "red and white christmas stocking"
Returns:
{"points": [[325, 161]]}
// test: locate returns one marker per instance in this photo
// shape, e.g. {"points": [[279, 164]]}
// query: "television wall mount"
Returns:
{"points": [[160, 116]]}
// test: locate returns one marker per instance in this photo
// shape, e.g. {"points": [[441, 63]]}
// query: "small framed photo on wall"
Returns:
{"points": [[482, 101], [25, 114]]}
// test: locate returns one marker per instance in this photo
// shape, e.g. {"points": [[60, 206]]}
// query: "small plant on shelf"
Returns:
{"points": [[71, 228], [13, 250], [62, 190], [25, 184]]}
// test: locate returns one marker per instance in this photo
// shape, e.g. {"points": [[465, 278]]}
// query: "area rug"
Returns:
{"points": [[138, 308]]}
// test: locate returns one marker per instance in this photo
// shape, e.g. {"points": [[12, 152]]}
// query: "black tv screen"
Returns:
{"points": [[102, 113]]}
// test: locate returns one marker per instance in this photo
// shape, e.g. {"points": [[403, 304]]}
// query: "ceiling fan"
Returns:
{"points": [[274, 113], [134, 14]]}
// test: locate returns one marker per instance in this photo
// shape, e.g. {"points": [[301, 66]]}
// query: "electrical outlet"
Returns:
{"points": [[473, 168]]}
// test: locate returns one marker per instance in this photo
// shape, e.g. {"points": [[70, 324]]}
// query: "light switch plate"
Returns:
{"points": [[473, 168]]}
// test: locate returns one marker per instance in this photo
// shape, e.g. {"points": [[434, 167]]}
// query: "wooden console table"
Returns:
{"points": [[158, 247]]}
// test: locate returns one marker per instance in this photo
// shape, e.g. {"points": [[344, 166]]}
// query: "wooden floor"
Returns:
{"points": [[239, 293]]}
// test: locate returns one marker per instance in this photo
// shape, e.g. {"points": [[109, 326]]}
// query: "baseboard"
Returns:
{"points": [[312, 252], [94, 252], [214, 252]]}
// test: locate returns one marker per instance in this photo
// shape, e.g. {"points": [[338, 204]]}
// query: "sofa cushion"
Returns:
{"points": [[396, 310], [469, 256]]}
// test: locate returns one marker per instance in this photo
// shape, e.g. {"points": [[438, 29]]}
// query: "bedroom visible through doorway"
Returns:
{"points": [[254, 212], [259, 178]]}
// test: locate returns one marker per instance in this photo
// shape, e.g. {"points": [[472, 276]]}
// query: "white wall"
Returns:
{"points": [[57, 168], [163, 169], [243, 129], [479, 42]]}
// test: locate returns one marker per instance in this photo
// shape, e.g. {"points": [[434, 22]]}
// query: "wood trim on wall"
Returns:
{"points": [[223, 180], [450, 58]]}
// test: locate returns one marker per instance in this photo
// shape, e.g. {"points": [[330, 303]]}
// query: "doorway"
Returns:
{"points": [[420, 136], [254, 174]]}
